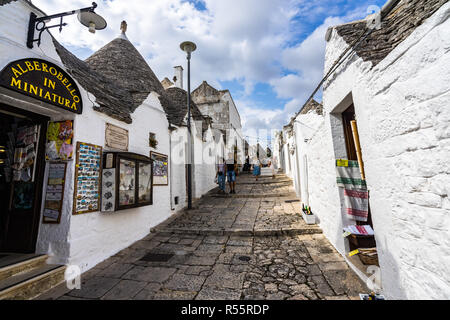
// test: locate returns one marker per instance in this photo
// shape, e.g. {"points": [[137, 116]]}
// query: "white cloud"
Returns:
{"points": [[237, 40]]}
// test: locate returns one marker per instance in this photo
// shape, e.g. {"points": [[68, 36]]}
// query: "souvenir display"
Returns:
{"points": [[59, 140], [25, 145], [128, 183], [160, 169], [55, 192], [88, 172], [145, 182], [108, 190]]}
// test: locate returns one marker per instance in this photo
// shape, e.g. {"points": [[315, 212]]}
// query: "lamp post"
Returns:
{"points": [[189, 47]]}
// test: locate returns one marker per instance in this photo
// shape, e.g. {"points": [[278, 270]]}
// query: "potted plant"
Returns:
{"points": [[307, 214]]}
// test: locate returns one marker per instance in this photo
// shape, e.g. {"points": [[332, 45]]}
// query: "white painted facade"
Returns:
{"points": [[87, 239], [403, 117]]}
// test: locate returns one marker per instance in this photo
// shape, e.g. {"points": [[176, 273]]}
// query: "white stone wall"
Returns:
{"points": [[14, 19], [305, 127], [178, 176], [204, 164], [87, 239], [289, 158], [401, 107]]}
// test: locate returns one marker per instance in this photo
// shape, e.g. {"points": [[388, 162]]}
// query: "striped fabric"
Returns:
{"points": [[357, 204], [356, 196], [348, 175]]}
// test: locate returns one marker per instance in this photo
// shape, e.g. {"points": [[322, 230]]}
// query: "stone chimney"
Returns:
{"points": [[123, 29], [123, 26], [178, 76]]}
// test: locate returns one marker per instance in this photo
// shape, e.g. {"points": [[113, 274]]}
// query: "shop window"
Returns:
{"points": [[129, 183]]}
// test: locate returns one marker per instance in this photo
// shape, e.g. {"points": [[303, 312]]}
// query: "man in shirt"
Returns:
{"points": [[231, 174]]}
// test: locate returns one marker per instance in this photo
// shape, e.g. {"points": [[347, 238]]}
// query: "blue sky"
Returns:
{"points": [[268, 53]]}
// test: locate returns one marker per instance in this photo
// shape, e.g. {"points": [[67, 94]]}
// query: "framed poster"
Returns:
{"points": [[54, 194], [59, 140], [88, 173], [160, 169]]}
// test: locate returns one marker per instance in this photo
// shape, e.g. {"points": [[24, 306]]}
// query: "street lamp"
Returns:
{"points": [[86, 16], [189, 47]]}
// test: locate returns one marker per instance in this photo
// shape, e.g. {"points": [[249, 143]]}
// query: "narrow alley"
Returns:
{"points": [[249, 245]]}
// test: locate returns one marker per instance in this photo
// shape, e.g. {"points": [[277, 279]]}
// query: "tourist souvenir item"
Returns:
{"points": [[55, 192], [59, 140], [87, 178]]}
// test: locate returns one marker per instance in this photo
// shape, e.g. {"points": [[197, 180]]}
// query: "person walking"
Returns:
{"points": [[256, 168], [231, 174], [220, 175], [272, 168]]}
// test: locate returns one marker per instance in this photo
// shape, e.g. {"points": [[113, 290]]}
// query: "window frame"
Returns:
{"points": [[136, 158]]}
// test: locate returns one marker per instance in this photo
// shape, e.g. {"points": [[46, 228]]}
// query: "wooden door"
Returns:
{"points": [[347, 116]]}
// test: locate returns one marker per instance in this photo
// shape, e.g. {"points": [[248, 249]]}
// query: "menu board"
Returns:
{"points": [[59, 140], [87, 178], [55, 192], [160, 169]]}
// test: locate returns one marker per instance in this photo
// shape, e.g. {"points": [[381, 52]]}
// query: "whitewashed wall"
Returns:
{"points": [[88, 238], [178, 176], [14, 19], [235, 121], [204, 162], [289, 160], [305, 127], [96, 236], [401, 107]]}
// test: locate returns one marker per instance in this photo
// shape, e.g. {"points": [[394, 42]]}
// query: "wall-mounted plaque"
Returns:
{"points": [[54, 195], [88, 170], [116, 137], [160, 169], [44, 81]]}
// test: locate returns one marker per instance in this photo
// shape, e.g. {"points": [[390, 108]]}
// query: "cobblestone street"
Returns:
{"points": [[250, 245]]}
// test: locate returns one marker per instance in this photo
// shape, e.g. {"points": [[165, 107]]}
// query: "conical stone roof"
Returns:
{"points": [[177, 111], [120, 61]]}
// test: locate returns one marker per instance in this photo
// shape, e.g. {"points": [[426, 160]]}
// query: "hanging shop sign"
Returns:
{"points": [[44, 81], [116, 137]]}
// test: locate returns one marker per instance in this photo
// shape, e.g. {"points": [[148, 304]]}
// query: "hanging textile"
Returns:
{"points": [[348, 175], [357, 204], [356, 196]]}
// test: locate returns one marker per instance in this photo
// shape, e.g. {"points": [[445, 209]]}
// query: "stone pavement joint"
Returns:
{"points": [[227, 248]]}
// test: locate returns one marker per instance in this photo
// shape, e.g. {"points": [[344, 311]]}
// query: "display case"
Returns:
{"points": [[126, 181]]}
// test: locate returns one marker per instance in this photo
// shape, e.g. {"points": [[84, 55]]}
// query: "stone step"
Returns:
{"points": [[19, 263], [266, 181], [253, 195], [29, 284], [241, 232]]}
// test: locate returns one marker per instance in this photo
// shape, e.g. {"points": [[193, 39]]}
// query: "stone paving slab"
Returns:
{"points": [[247, 248]]}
